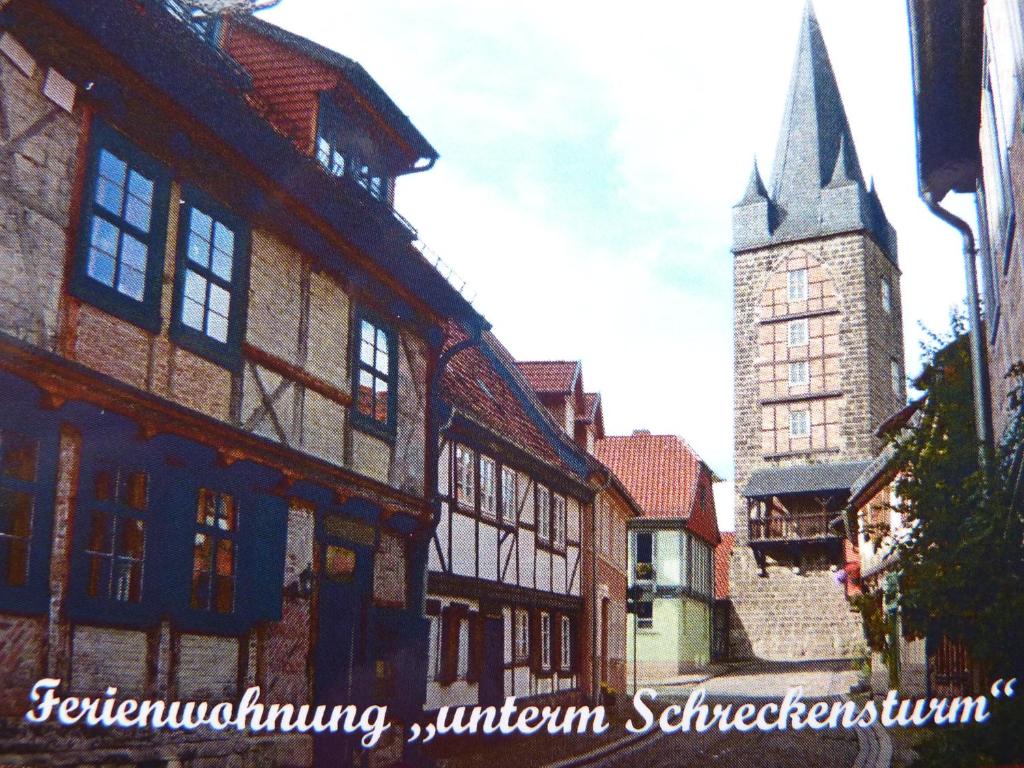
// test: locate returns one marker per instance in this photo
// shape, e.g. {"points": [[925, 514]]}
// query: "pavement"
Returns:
{"points": [[752, 681], [755, 680]]}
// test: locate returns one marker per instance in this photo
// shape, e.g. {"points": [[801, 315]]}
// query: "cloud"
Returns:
{"points": [[590, 159]]}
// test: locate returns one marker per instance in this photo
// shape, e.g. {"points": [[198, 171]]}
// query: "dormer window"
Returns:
{"points": [[339, 151]]}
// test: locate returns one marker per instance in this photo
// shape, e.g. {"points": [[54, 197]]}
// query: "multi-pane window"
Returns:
{"points": [[797, 332], [799, 423], [215, 553], [18, 470], [558, 520], [522, 635], [208, 275], [120, 226], [465, 487], [886, 295], [336, 153], [375, 375], [543, 513], [545, 640], [116, 545], [566, 644], [508, 495], [798, 373], [488, 486], [124, 216], [897, 377], [797, 283]]}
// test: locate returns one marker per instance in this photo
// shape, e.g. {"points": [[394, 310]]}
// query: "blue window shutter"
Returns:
{"points": [[261, 558]]}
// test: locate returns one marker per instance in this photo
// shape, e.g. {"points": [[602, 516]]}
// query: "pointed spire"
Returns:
{"points": [[817, 187], [755, 190], [814, 127]]}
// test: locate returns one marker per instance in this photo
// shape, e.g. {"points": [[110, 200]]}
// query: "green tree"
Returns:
{"points": [[962, 564]]}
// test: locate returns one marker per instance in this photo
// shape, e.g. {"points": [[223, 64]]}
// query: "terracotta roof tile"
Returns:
{"points": [[472, 385], [550, 376], [663, 473]]}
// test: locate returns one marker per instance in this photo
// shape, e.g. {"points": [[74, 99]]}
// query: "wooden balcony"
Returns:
{"points": [[792, 527]]}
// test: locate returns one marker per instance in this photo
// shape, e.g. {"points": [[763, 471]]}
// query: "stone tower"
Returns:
{"points": [[818, 366]]}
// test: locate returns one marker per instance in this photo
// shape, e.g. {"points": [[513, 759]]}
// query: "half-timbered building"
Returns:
{"points": [[217, 345], [505, 596], [579, 417]]}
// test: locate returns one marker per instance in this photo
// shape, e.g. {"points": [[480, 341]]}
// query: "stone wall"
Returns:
{"points": [[789, 616], [38, 143], [786, 615]]}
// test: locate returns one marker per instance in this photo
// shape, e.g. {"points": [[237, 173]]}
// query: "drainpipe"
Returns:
{"points": [[419, 555], [979, 360]]}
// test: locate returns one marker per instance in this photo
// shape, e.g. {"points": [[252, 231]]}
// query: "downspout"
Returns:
{"points": [[420, 550], [979, 360]]}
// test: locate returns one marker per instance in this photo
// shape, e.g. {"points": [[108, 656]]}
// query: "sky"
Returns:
{"points": [[590, 158]]}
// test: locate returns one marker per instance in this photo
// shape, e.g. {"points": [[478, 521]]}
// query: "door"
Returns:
{"points": [[492, 671], [341, 674]]}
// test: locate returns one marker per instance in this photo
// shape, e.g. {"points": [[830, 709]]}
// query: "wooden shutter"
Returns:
{"points": [[475, 651], [449, 644]]}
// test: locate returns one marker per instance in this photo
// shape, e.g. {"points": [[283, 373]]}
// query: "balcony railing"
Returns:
{"points": [[802, 527]]}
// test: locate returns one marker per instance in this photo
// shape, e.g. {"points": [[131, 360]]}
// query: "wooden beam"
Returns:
{"points": [[296, 374]]}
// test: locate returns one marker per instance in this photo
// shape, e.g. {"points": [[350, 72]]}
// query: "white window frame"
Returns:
{"points": [[802, 379], [543, 519], [886, 290], [509, 495], [796, 282], [800, 423], [436, 648], [462, 668], [566, 647], [797, 332], [465, 477], [488, 486], [545, 640], [522, 645], [558, 522], [896, 372]]}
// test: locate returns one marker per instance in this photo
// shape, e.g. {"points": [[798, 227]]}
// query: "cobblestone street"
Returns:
{"points": [[754, 682], [741, 750]]}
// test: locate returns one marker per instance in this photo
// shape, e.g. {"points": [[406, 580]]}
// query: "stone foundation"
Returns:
{"points": [[787, 616]]}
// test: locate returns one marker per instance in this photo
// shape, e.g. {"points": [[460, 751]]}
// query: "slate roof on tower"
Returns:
{"points": [[817, 186]]}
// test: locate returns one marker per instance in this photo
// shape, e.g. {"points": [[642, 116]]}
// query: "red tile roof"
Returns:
{"points": [[722, 553], [663, 473], [550, 376], [472, 385]]}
